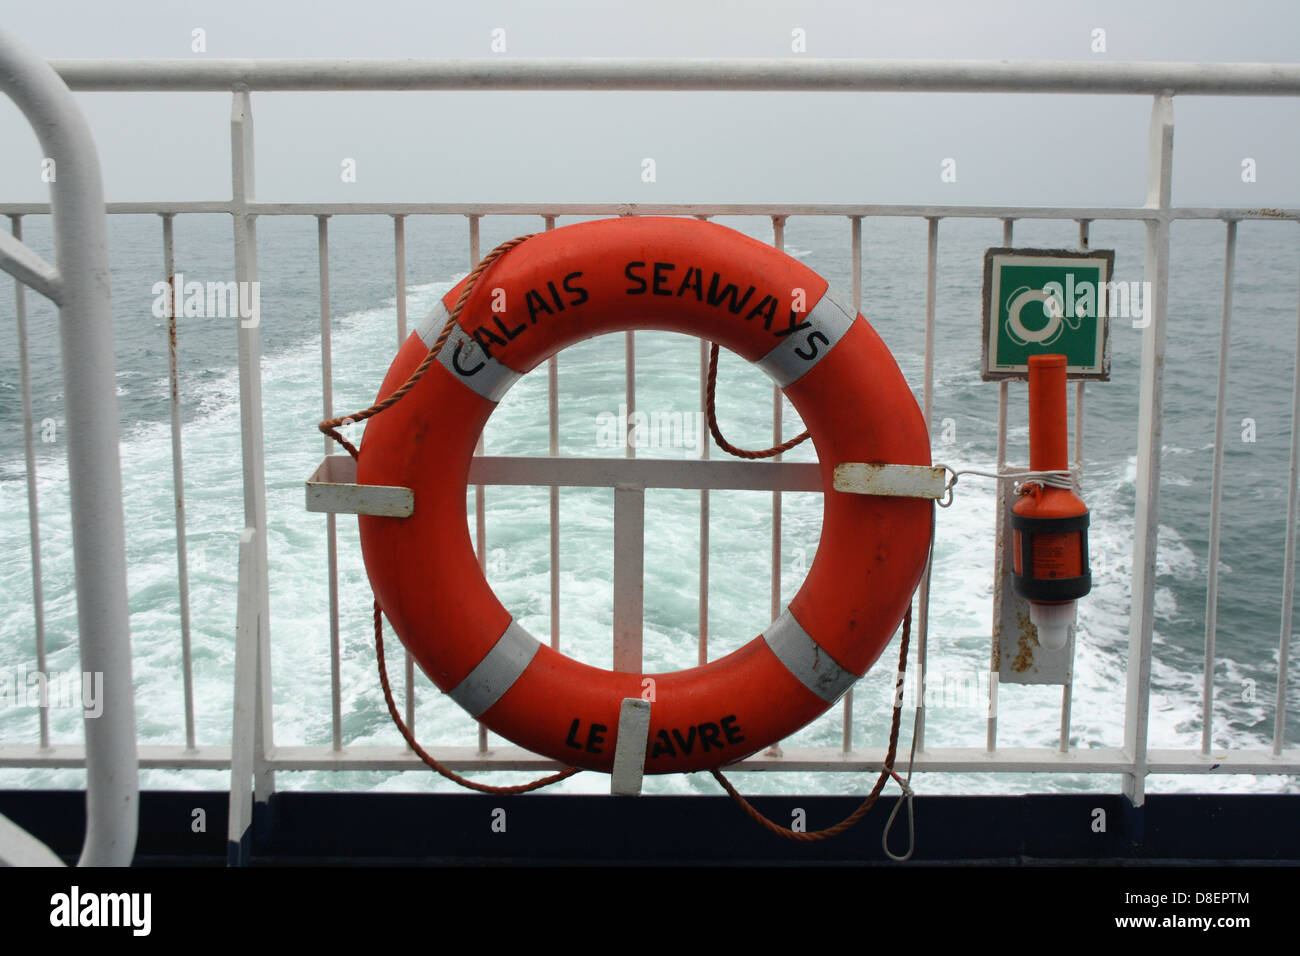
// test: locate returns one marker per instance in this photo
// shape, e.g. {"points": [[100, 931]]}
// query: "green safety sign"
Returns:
{"points": [[1047, 301]]}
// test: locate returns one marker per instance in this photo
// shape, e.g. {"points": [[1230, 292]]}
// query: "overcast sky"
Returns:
{"points": [[829, 147]]}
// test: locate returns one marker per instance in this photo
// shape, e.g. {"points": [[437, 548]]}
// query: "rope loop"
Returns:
{"points": [[714, 430], [886, 772]]}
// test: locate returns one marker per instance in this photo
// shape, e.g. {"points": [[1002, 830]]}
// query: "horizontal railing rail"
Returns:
{"points": [[685, 74]]}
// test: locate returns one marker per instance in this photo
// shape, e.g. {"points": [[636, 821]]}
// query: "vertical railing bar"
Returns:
{"points": [[705, 449], [1002, 496], [33, 509], [778, 240], [1288, 564], [629, 578], [923, 603], [1067, 687], [1216, 492], [480, 493], [855, 243], [629, 390], [399, 256], [553, 438], [178, 478], [1146, 515], [399, 268], [855, 232], [252, 446], [331, 527]]}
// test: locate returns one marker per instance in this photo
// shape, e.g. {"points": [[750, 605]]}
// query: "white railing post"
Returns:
{"points": [[250, 413], [1288, 563], [243, 738], [1216, 495], [178, 477], [1150, 429], [94, 466], [33, 500]]}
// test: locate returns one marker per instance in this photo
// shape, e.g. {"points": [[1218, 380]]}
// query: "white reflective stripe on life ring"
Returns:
{"points": [[816, 334], [497, 672], [464, 358], [806, 660]]}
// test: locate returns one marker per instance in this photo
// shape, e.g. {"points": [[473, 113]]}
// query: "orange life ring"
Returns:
{"points": [[681, 275]]}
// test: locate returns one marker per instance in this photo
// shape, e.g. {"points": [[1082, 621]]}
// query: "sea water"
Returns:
{"points": [[591, 376]]}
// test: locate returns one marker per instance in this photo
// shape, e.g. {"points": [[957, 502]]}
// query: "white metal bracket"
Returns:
{"points": [[894, 481], [629, 749], [333, 489]]}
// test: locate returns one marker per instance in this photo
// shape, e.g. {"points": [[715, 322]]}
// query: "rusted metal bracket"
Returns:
{"points": [[894, 481]]}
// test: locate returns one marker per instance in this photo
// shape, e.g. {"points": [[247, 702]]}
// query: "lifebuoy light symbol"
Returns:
{"points": [[1051, 304]]}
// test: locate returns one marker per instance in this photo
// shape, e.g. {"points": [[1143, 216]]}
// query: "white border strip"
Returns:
{"points": [[806, 660], [497, 672], [797, 353], [464, 358]]}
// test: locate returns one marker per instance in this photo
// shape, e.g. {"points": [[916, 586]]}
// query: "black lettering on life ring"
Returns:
{"points": [[794, 326], [595, 737], [676, 743], [812, 345], [460, 370]]}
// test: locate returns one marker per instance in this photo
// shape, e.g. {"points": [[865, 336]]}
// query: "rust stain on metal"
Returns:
{"points": [[1025, 645], [1267, 213]]}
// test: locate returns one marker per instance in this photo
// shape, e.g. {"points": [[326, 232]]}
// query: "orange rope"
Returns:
{"points": [[330, 427], [725, 445], [886, 772]]}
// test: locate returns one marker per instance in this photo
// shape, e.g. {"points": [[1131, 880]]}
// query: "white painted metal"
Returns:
{"points": [[602, 73], [178, 480], [629, 575], [20, 848], [30, 269], [1256, 760], [553, 441], [629, 750], [91, 433], [331, 523], [1216, 494], [576, 472], [1001, 587], [1067, 687], [855, 250], [333, 489], [778, 409], [706, 447], [1289, 562], [33, 507], [1150, 428], [698, 210], [927, 403], [399, 264], [898, 481], [250, 416], [480, 493], [244, 754]]}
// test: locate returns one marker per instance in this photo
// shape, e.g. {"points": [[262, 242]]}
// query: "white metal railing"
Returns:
{"points": [[254, 753], [78, 285]]}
